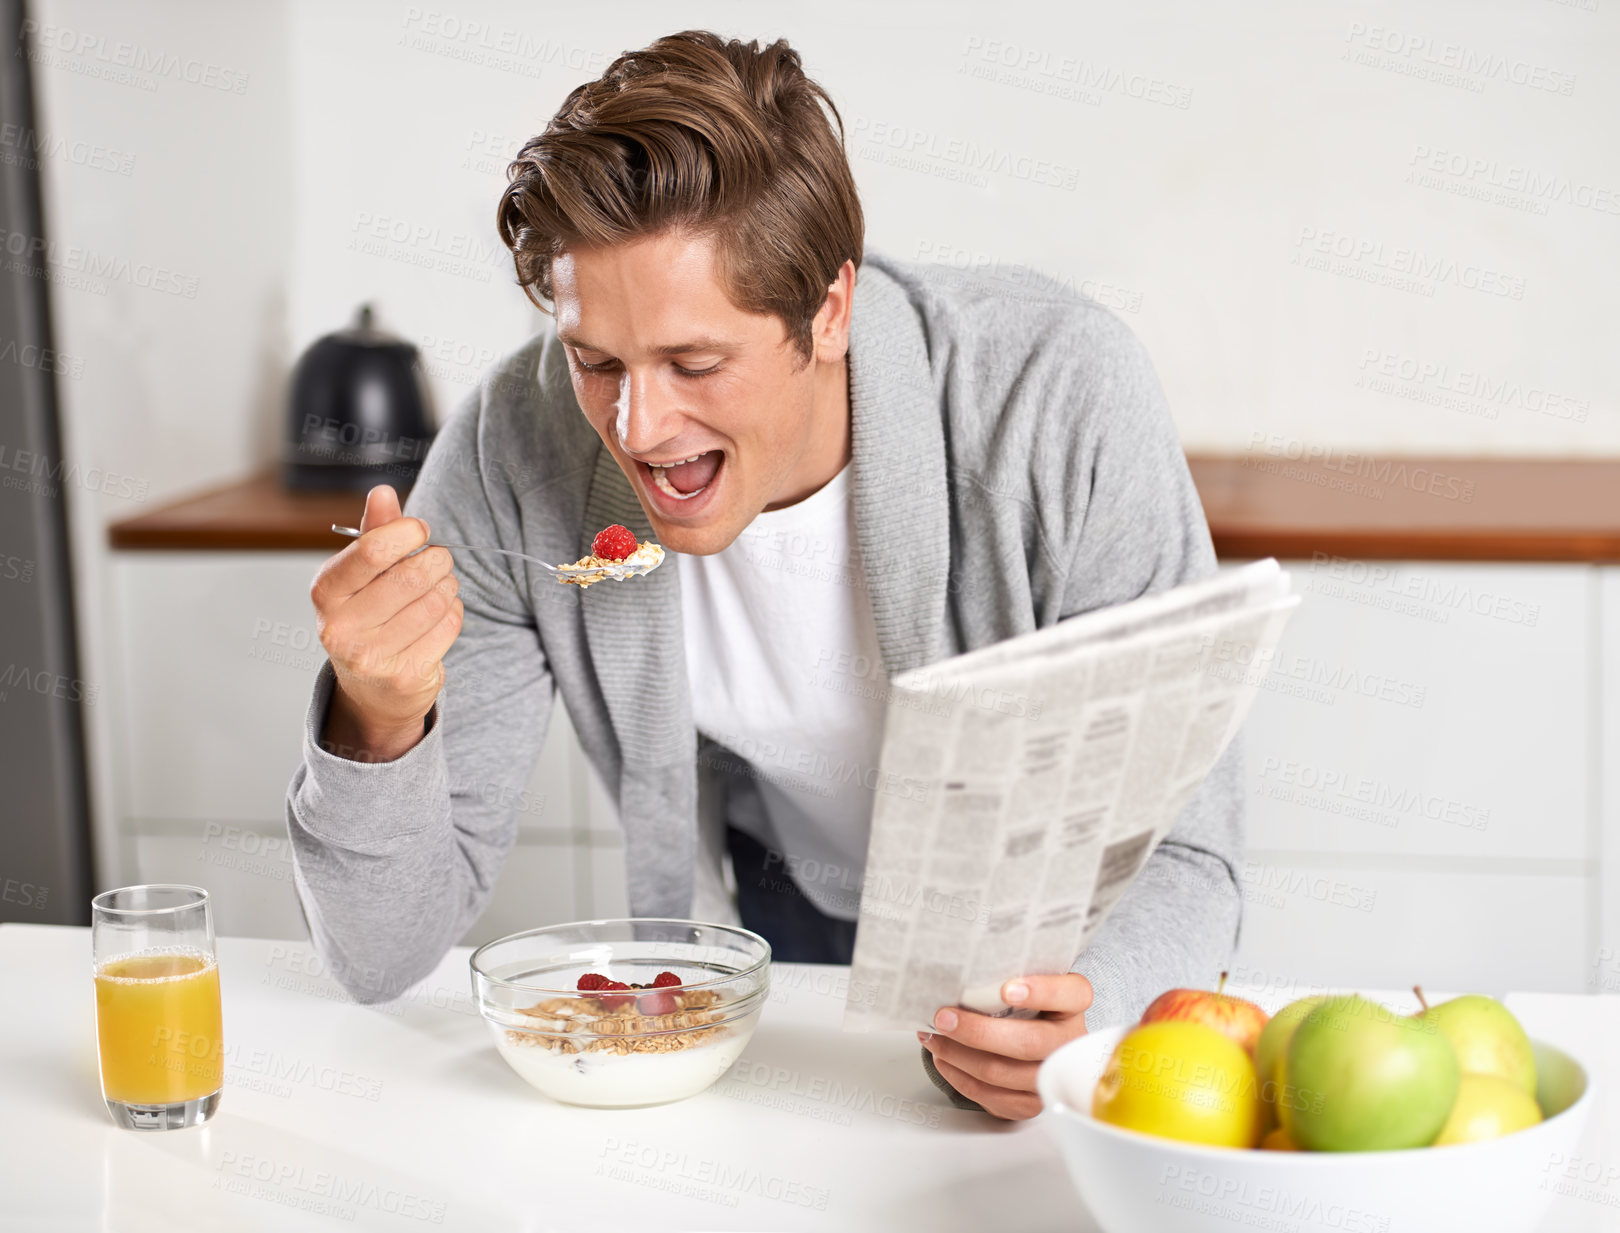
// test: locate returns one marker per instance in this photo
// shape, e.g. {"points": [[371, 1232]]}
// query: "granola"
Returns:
{"points": [[591, 568], [595, 1025]]}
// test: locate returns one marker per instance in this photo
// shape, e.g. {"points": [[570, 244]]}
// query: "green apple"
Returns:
{"points": [[1271, 1049], [1368, 1079], [1488, 1107], [1487, 1039]]}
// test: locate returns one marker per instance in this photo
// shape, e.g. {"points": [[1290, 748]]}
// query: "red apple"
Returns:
{"points": [[1234, 1017]]}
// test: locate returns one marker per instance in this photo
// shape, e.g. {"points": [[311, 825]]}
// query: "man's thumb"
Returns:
{"points": [[382, 507]]}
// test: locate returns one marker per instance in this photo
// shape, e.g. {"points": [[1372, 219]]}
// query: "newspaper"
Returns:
{"points": [[1039, 774]]}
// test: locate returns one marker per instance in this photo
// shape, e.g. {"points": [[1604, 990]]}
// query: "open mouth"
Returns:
{"points": [[687, 478]]}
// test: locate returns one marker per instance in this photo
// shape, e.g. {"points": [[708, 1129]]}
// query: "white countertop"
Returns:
{"points": [[401, 1117], [408, 1110]]}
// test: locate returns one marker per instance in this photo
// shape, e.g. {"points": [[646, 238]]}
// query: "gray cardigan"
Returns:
{"points": [[1013, 463]]}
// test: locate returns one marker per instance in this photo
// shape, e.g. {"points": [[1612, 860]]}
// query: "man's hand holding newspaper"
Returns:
{"points": [[993, 1060], [1045, 770]]}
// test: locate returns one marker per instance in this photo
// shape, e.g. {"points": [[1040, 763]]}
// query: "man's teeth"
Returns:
{"points": [[669, 489]]}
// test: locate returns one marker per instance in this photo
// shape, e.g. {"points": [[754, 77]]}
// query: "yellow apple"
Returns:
{"points": [[1181, 1080], [1487, 1107]]}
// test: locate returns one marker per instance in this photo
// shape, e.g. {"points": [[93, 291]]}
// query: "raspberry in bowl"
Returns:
{"points": [[622, 1013]]}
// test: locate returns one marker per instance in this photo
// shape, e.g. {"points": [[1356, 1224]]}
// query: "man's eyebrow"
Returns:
{"points": [[681, 348], [697, 344]]}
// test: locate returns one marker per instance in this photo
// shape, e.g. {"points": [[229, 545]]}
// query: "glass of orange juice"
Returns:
{"points": [[157, 1006]]}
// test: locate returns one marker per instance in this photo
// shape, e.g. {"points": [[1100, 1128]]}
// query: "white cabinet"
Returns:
{"points": [[1603, 972], [1427, 739], [218, 653]]}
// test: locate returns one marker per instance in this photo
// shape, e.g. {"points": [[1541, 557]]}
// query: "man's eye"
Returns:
{"points": [[603, 366]]}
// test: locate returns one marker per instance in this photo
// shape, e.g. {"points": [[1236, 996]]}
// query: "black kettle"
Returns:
{"points": [[358, 413]]}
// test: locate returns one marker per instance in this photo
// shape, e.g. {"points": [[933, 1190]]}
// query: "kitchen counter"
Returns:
{"points": [[1258, 504], [340, 1116], [252, 515], [1353, 505]]}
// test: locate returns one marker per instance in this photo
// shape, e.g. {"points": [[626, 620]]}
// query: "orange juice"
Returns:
{"points": [[158, 1027]]}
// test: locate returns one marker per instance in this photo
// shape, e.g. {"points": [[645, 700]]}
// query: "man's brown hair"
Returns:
{"points": [[712, 136]]}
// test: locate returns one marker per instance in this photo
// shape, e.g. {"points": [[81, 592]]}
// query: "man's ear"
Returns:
{"points": [[829, 332]]}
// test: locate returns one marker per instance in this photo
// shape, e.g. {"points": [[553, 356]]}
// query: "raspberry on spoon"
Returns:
{"points": [[613, 543]]}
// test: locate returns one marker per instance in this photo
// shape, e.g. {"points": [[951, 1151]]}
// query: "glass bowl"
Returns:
{"points": [[622, 1049]]}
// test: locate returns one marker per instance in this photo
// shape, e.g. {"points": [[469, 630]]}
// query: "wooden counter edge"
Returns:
{"points": [[255, 515]]}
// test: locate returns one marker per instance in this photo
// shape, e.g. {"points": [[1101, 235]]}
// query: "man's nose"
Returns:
{"points": [[648, 415]]}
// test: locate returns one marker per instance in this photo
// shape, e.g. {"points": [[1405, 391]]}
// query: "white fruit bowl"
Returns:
{"points": [[1133, 1182]]}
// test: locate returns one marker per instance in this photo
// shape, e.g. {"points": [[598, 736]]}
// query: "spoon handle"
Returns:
{"points": [[354, 533]]}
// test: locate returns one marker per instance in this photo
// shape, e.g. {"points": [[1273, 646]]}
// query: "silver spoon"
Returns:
{"points": [[568, 575]]}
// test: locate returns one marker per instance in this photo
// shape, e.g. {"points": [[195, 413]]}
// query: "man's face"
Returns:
{"points": [[711, 411]]}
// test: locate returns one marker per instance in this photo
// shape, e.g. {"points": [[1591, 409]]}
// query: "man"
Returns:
{"points": [[728, 378]]}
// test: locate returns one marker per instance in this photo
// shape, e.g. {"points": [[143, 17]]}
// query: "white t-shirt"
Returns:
{"points": [[785, 672]]}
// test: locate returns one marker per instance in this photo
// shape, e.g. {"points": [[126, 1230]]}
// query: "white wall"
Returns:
{"points": [[1200, 156], [1200, 152]]}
